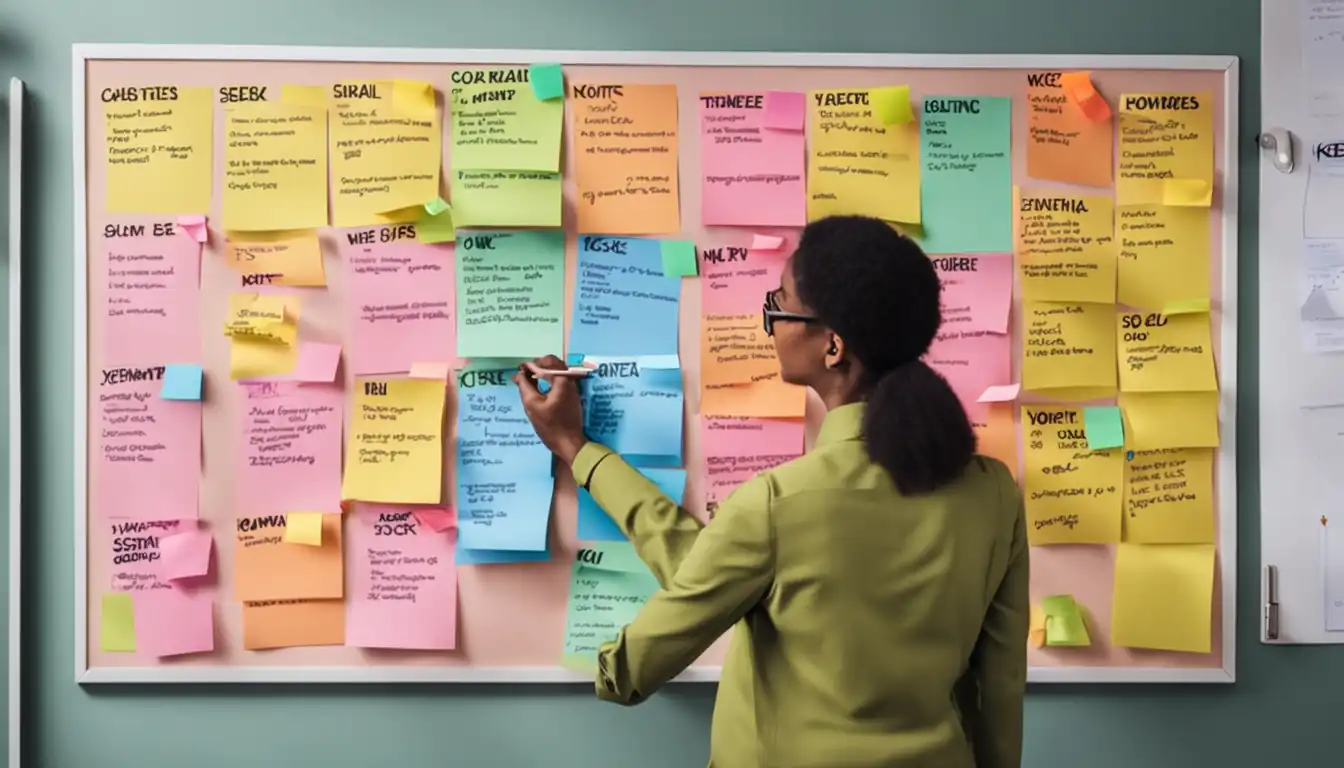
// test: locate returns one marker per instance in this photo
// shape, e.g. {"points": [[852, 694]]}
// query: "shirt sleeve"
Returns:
{"points": [[999, 662], [661, 531], [727, 572]]}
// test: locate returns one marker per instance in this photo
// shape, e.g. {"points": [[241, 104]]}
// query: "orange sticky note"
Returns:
{"points": [[266, 568], [734, 350], [996, 437], [769, 399], [293, 623], [626, 175], [1080, 91], [1062, 143], [276, 258]]}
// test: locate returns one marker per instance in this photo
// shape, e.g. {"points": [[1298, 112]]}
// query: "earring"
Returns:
{"points": [[832, 350]]}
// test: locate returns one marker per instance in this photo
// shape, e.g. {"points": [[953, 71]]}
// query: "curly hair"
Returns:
{"points": [[879, 292]]}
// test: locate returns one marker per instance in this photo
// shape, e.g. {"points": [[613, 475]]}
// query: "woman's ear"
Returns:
{"points": [[835, 353]]}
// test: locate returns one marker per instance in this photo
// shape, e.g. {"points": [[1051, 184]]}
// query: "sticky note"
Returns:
{"points": [[304, 528], [1169, 496], [181, 382], [733, 350], [1187, 192], [408, 414], [1001, 393], [785, 110], [1155, 420], [317, 363], [437, 228], [626, 306], [116, 627], [757, 183], [1036, 627], [153, 471], [193, 226], [436, 519], [881, 173], [1072, 496], [595, 525], [1163, 137], [436, 206], [893, 104], [288, 447], [294, 161], [1165, 354], [608, 575], [403, 582], [1064, 624], [1166, 255], [276, 258], [1068, 345], [1103, 427], [293, 623], [765, 243], [404, 147], [159, 181], [1082, 94], [1163, 597], [171, 622], [627, 180], [185, 555], [1066, 248], [678, 258], [499, 271], [548, 81], [1062, 143], [1185, 307], [966, 182], [439, 371]]}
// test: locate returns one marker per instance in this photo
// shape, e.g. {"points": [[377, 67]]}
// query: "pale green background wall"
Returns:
{"points": [[1283, 709]]}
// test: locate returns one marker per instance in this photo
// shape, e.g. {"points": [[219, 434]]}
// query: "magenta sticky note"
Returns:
{"points": [[185, 555], [317, 363], [755, 183], [151, 471], [402, 581], [172, 622], [166, 308], [785, 110], [289, 448], [193, 225], [738, 448], [977, 291], [1001, 393], [400, 297], [438, 519], [972, 361]]}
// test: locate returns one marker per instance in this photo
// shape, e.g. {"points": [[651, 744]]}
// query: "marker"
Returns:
{"points": [[575, 372]]}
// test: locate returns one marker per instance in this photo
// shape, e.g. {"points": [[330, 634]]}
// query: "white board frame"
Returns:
{"points": [[14, 270], [1227, 487]]}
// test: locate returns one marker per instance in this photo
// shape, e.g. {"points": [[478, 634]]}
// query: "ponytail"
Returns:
{"points": [[916, 429]]}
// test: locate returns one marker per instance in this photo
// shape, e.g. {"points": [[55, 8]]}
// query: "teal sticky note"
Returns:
{"points": [[678, 258], [966, 174], [1104, 427], [548, 81], [181, 382]]}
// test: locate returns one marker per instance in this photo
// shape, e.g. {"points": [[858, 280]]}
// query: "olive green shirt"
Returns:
{"points": [[873, 629]]}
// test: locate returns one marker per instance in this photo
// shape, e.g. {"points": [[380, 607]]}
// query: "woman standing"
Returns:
{"points": [[878, 583]]}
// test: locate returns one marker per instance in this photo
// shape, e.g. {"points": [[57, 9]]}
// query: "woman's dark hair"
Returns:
{"points": [[878, 291]]}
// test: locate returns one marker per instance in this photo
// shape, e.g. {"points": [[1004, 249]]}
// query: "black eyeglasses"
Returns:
{"points": [[771, 312]]}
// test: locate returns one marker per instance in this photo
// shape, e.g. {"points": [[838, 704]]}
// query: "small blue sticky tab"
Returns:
{"points": [[181, 382]]}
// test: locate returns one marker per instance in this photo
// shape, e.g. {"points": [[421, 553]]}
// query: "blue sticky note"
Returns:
{"points": [[623, 305], [594, 525], [498, 557], [503, 508], [548, 81], [493, 433], [181, 382], [1103, 427], [634, 409], [966, 174]]}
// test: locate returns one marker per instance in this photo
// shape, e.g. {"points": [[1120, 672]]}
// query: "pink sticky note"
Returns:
{"points": [[750, 176], [736, 449], [785, 110], [135, 552], [317, 363], [193, 225], [185, 555], [977, 291], [148, 291], [402, 581], [436, 371], [401, 302], [148, 461], [765, 243], [289, 448], [734, 280], [438, 519], [1000, 394], [171, 622], [972, 361]]}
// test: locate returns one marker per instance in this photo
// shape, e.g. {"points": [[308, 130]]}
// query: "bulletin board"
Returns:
{"points": [[510, 617]]}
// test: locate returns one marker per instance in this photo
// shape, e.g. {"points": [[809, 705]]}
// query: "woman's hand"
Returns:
{"points": [[557, 416]]}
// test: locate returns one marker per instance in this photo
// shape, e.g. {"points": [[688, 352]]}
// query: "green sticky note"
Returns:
{"points": [[548, 81], [506, 198], [436, 206], [1064, 624], [893, 104], [1103, 427], [608, 585], [504, 129], [436, 228], [678, 258], [510, 293], [966, 175], [117, 628]]}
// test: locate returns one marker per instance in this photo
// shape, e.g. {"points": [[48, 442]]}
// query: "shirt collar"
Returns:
{"points": [[843, 423]]}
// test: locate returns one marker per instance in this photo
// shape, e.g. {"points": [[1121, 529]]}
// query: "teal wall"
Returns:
{"points": [[1282, 708]]}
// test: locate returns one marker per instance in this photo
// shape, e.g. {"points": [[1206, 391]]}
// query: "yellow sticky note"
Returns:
{"points": [[251, 358], [505, 198], [271, 318], [395, 450], [505, 128], [1073, 495], [1163, 597], [304, 528], [1169, 496], [275, 167], [1066, 249], [1164, 255], [1036, 629], [159, 149], [1068, 345], [277, 258], [857, 164], [1185, 307], [893, 104], [1064, 623], [116, 624], [1155, 420], [1160, 353], [1187, 192], [384, 169], [1163, 136]]}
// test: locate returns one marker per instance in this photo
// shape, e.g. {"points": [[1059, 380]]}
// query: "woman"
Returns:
{"points": [[878, 583]]}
